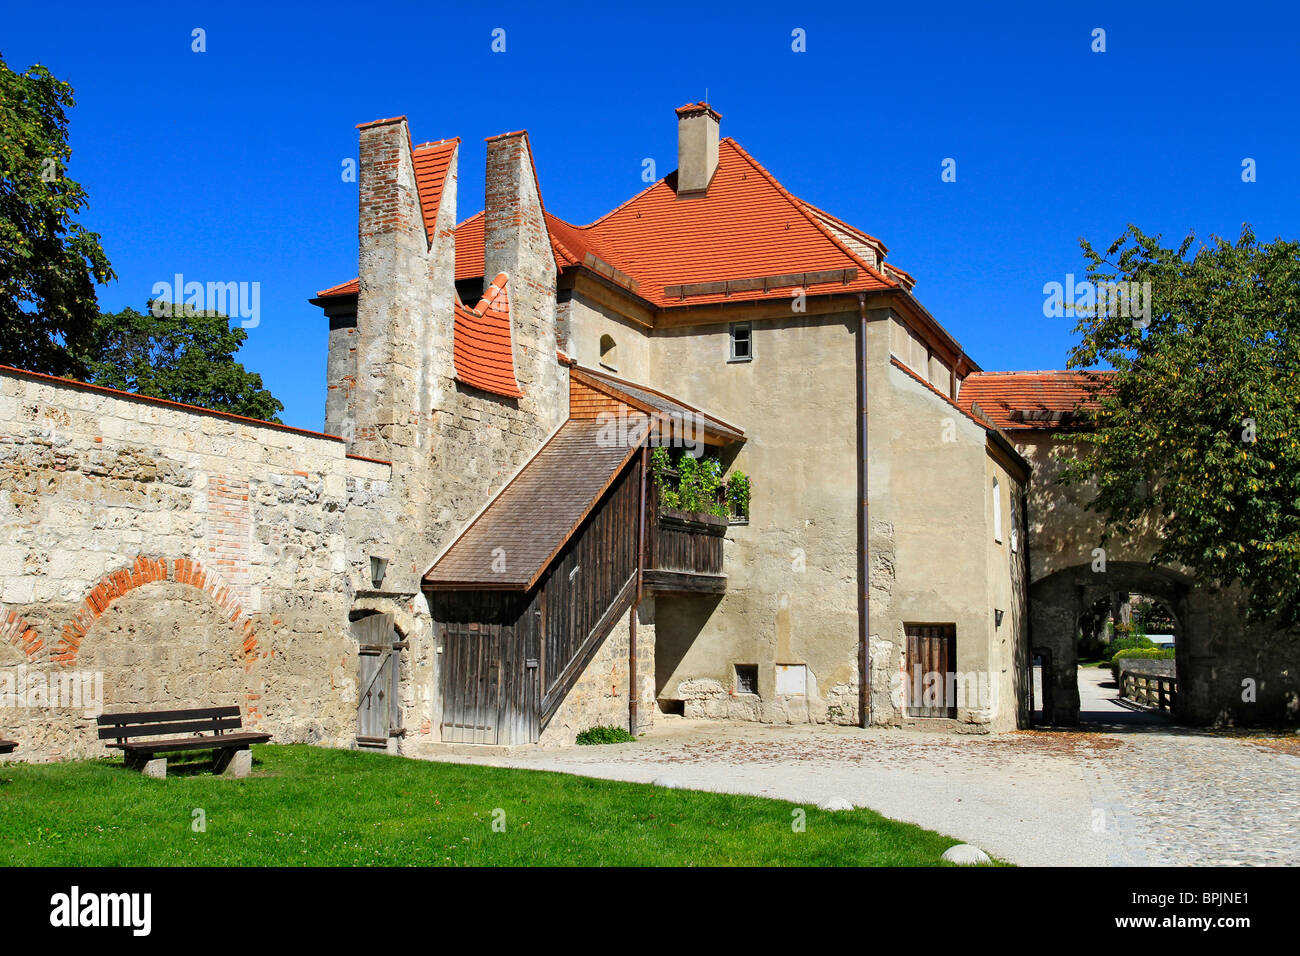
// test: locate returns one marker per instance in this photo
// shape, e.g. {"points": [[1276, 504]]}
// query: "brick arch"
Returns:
{"points": [[142, 571]]}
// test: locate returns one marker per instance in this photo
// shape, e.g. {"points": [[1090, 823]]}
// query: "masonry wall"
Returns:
{"points": [[934, 559], [188, 559], [792, 570]]}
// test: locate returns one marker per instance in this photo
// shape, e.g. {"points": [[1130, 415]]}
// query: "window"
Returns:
{"points": [[742, 343], [747, 679], [608, 353], [997, 512]]}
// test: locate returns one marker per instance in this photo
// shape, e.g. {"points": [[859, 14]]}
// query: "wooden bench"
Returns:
{"points": [[7, 746], [229, 744]]}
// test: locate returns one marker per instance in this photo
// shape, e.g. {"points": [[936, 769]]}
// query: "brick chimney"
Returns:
{"points": [[697, 147], [392, 304], [517, 242]]}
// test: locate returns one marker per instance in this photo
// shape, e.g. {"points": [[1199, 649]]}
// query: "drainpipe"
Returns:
{"points": [[864, 580]]}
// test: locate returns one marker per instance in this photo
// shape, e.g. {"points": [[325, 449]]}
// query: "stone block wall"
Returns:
{"points": [[176, 557]]}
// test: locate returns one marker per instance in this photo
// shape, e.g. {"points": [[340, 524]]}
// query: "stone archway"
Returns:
{"points": [[1059, 602]]}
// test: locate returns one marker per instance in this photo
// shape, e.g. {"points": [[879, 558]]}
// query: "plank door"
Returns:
{"points": [[378, 710], [931, 650], [471, 682]]}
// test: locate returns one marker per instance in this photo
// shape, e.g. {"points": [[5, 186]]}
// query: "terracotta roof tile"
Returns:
{"points": [[1047, 400], [484, 354], [746, 226]]}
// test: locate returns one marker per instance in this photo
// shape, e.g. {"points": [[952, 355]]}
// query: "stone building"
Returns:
{"points": [[497, 537]]}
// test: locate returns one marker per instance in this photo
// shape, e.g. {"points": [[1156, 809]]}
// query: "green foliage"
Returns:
{"points": [[188, 356], [1128, 642], [1198, 439], [49, 264], [1139, 653], [738, 494], [604, 734], [691, 484]]}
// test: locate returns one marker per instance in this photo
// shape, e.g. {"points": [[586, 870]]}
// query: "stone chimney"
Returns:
{"points": [[517, 242], [697, 147], [393, 301]]}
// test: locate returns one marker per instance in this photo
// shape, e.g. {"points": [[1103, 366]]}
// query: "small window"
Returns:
{"points": [[997, 512], [608, 353], [742, 343], [747, 679]]}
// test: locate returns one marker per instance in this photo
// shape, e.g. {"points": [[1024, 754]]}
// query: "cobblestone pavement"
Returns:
{"points": [[1142, 793]]}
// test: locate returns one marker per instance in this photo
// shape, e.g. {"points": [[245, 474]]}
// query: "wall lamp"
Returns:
{"points": [[379, 565], [997, 614]]}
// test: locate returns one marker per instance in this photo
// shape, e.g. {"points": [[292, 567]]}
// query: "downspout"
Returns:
{"points": [[633, 709], [864, 580]]}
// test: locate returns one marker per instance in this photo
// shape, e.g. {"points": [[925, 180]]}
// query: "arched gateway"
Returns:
{"points": [[1228, 672]]}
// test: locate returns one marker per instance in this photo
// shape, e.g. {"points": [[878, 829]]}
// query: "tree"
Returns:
{"points": [[1199, 429], [178, 353], [49, 264]]}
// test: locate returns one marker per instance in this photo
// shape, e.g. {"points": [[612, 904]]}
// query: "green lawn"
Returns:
{"points": [[312, 806]]}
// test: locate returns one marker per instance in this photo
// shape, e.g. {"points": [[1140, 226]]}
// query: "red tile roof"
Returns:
{"points": [[482, 345], [1029, 401], [432, 160], [746, 226]]}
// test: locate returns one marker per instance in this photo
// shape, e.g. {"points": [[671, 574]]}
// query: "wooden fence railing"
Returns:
{"points": [[1151, 690]]}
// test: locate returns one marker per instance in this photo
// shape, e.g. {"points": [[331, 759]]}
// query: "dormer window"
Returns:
{"points": [[608, 353], [742, 342]]}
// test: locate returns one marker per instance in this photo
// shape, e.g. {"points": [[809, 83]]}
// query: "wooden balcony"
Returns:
{"points": [[683, 551]]}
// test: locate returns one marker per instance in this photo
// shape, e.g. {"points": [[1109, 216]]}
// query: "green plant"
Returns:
{"points": [[694, 485], [1126, 643], [604, 734], [738, 494]]}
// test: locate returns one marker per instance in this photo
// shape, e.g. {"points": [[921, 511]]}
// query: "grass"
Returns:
{"points": [[310, 806]]}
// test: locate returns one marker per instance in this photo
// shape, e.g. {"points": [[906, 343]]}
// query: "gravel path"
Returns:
{"points": [[1139, 793]]}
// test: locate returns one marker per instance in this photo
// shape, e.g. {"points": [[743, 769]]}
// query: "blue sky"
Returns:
{"points": [[225, 165]]}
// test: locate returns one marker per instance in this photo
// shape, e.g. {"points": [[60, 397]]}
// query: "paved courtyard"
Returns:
{"points": [[1127, 790]]}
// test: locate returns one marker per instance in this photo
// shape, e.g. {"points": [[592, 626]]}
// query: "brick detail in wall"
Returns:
{"points": [[229, 531], [147, 571], [16, 631]]}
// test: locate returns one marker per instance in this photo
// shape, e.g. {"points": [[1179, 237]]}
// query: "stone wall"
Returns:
{"points": [[184, 557]]}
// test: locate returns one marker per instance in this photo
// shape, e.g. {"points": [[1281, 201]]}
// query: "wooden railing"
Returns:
{"points": [[685, 541], [1151, 690]]}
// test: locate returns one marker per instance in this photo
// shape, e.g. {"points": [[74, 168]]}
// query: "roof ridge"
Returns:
{"points": [[625, 203], [847, 225], [1049, 371], [798, 204]]}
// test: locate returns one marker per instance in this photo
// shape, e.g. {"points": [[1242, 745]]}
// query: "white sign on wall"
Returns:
{"points": [[791, 680]]}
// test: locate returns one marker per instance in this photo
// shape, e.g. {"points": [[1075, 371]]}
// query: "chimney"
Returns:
{"points": [[392, 303], [697, 147], [518, 243]]}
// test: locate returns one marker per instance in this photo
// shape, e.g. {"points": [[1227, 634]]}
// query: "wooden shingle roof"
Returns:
{"points": [[511, 542]]}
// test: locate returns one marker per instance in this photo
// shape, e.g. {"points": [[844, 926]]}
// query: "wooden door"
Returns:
{"points": [[379, 715], [931, 670], [471, 679], [489, 684]]}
